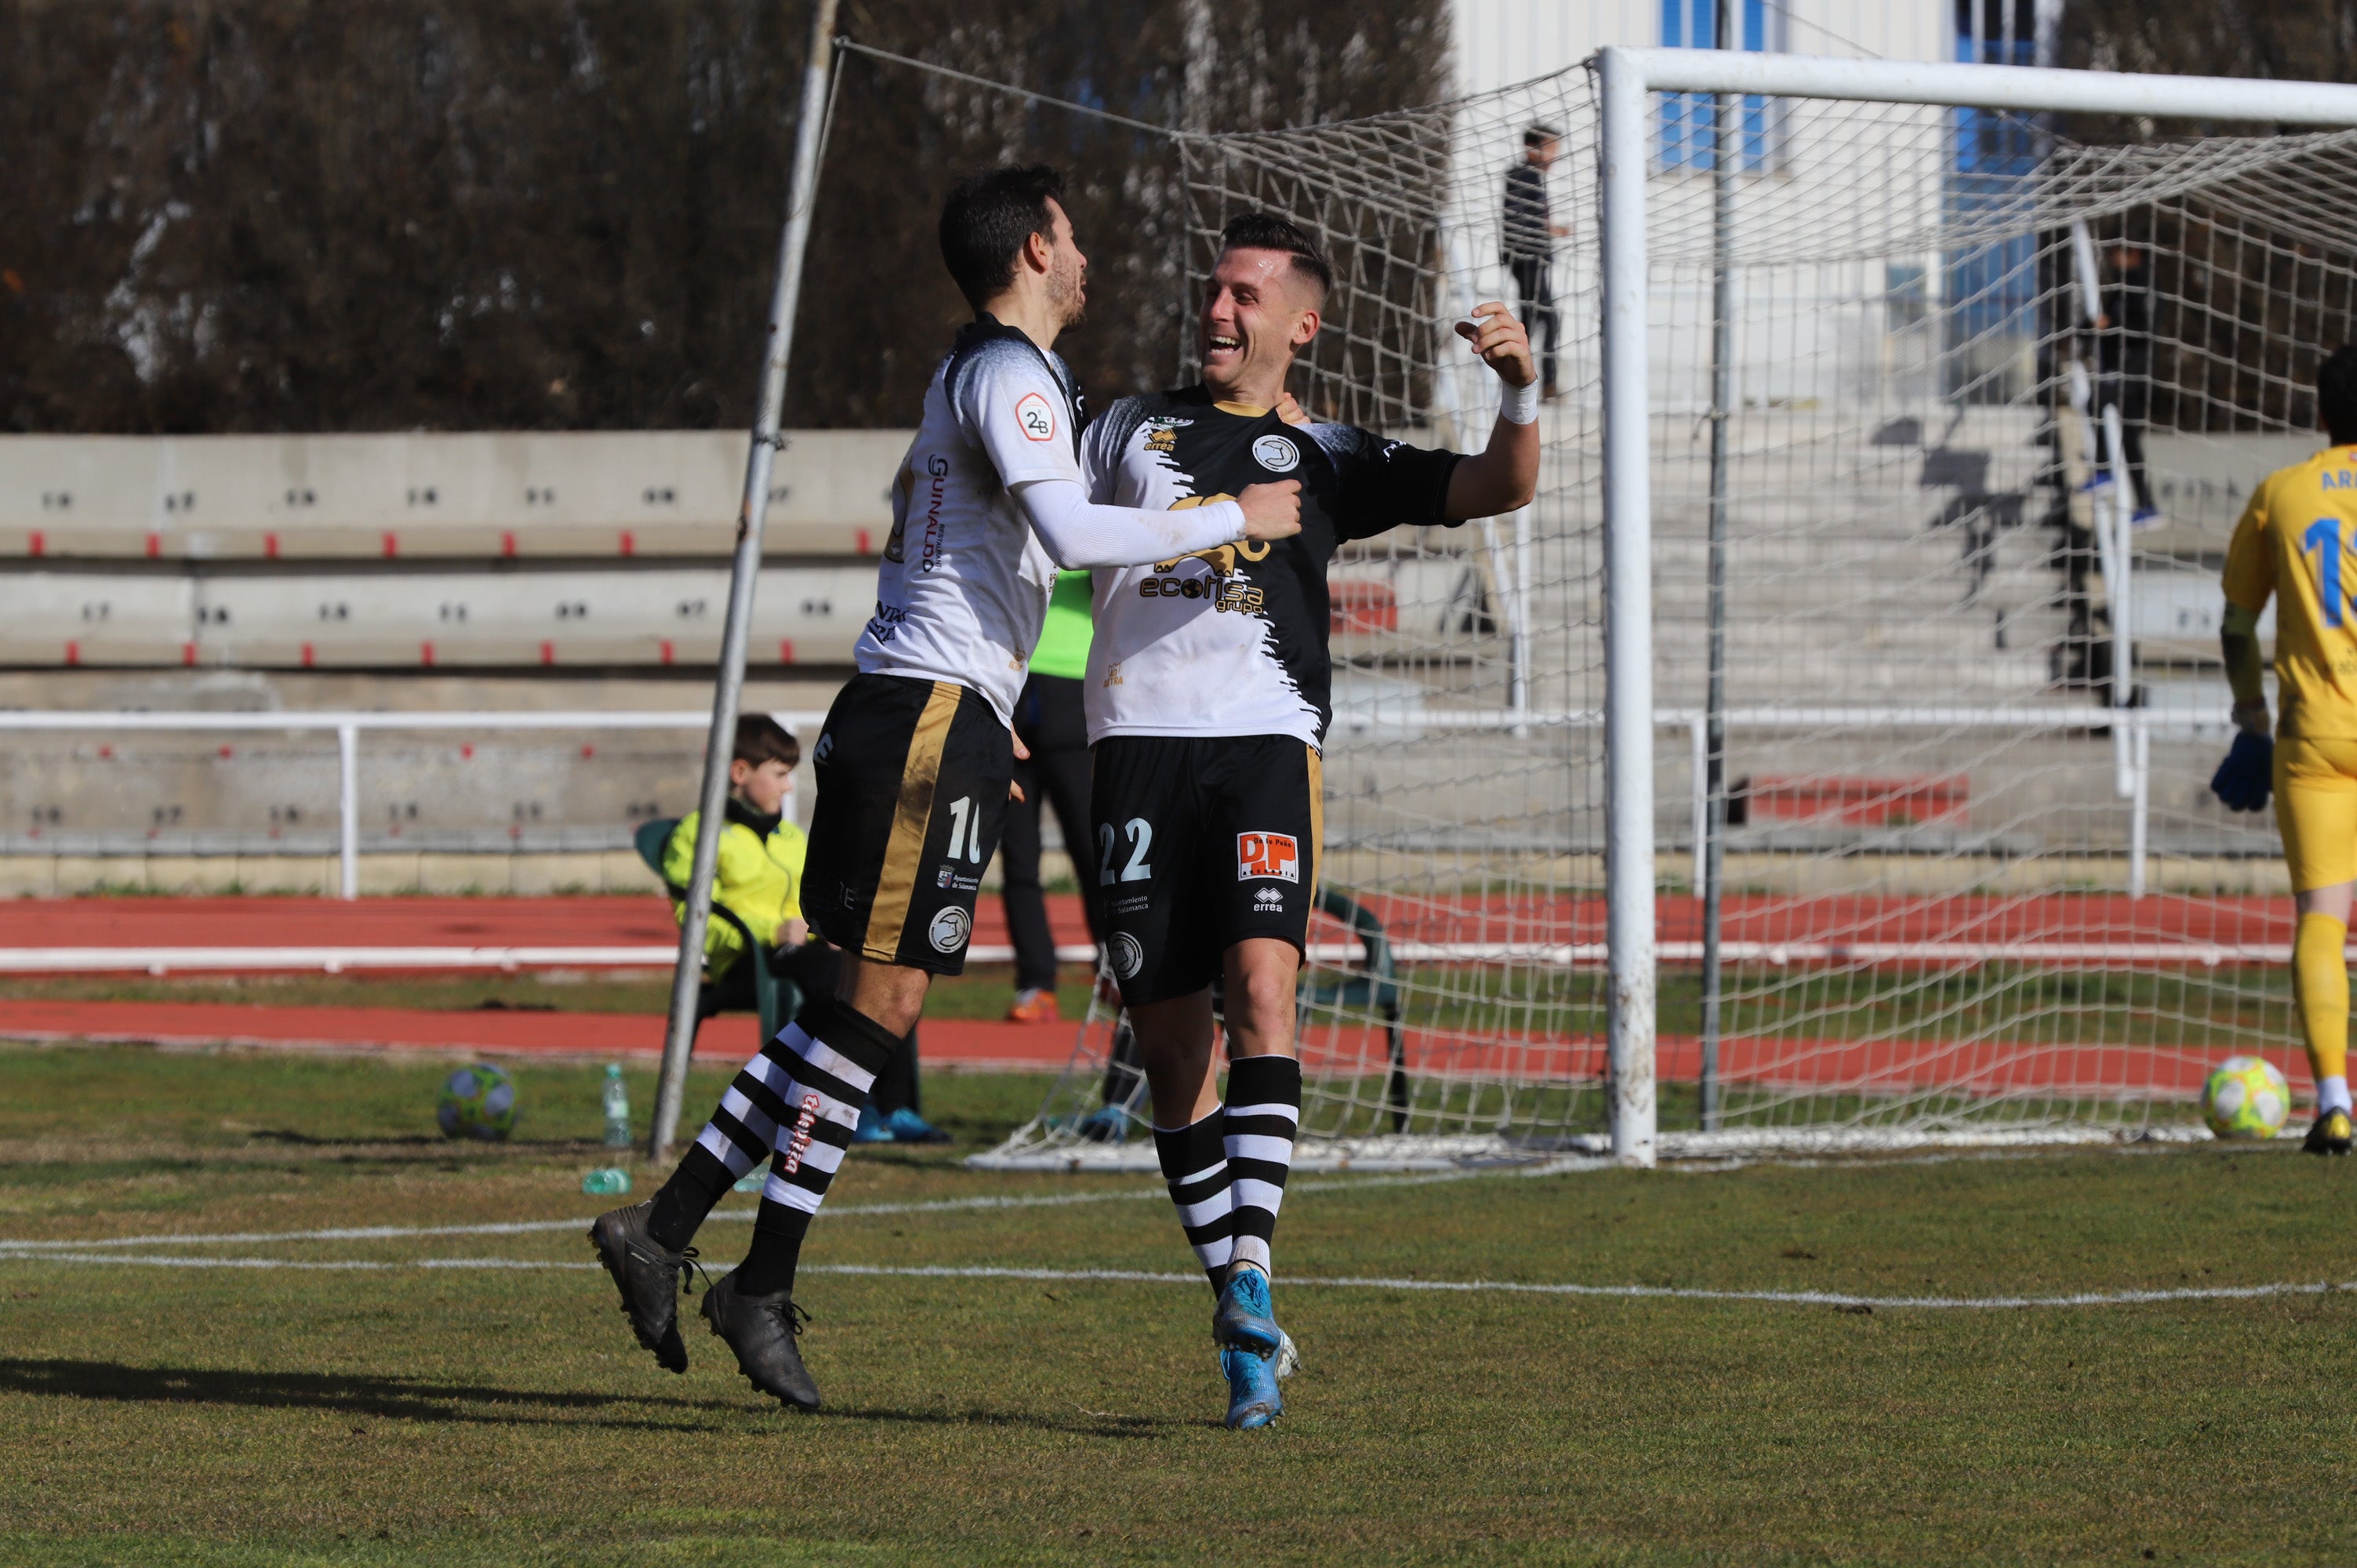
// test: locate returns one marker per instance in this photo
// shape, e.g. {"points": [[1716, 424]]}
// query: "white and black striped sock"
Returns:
{"points": [[1264, 1112], [1195, 1165], [822, 1086]]}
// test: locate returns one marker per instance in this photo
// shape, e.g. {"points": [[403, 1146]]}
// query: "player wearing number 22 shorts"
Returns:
{"points": [[1208, 696]]}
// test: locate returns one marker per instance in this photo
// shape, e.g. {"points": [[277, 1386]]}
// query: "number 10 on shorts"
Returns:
{"points": [[1266, 855]]}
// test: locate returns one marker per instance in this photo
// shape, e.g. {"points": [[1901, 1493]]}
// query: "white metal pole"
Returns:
{"points": [[2113, 503], [1521, 646], [347, 806], [751, 518], [2140, 807], [1628, 615]]}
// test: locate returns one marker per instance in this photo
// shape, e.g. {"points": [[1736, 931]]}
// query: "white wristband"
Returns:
{"points": [[1520, 405]]}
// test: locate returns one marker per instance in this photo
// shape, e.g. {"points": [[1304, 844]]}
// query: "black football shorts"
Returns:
{"points": [[1201, 840], [912, 781]]}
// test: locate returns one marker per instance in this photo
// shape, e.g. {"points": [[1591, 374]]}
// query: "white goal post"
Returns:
{"points": [[1627, 80]]}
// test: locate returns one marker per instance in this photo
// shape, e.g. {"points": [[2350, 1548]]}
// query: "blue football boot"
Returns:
{"points": [[907, 1127], [1244, 1316], [1254, 1398], [873, 1128]]}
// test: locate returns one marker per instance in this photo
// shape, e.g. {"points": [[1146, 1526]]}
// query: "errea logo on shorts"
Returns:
{"points": [[1037, 420], [1276, 856], [1268, 900]]}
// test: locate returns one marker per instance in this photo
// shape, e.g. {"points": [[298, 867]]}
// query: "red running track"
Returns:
{"points": [[729, 1038], [262, 922]]}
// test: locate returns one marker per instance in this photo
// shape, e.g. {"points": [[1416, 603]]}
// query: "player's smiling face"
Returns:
{"points": [[1257, 312]]}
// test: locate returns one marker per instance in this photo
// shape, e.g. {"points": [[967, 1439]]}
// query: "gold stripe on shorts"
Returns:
{"points": [[903, 852], [1316, 823]]}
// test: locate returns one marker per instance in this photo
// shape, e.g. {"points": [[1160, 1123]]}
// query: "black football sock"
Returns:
{"points": [[1195, 1169], [693, 1191], [1264, 1112], [822, 1077]]}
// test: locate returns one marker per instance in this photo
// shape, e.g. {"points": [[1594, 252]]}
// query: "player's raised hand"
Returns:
{"points": [[1501, 342], [1272, 511]]}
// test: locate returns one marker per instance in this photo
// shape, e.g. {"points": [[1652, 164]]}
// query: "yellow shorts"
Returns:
{"points": [[2316, 809]]}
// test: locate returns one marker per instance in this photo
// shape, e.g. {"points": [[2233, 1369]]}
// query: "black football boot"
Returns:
{"points": [[762, 1331], [649, 1275]]}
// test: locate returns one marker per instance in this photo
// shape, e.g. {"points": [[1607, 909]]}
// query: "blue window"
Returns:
{"points": [[1690, 120]]}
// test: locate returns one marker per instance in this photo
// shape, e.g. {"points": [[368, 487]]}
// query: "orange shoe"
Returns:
{"points": [[1034, 1006]]}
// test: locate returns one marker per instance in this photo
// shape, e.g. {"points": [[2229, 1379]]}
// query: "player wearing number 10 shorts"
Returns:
{"points": [[2294, 545], [1207, 700]]}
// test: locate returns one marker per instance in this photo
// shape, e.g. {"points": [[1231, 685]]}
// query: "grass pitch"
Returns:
{"points": [[284, 1412]]}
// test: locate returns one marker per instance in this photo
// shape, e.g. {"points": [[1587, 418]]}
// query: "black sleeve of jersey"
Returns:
{"points": [[1386, 484]]}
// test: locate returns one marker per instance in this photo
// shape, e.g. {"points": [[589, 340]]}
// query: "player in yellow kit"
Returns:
{"points": [[2297, 543]]}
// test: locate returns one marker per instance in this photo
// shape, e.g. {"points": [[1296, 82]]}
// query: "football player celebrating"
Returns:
{"points": [[2293, 544], [1207, 700], [915, 761]]}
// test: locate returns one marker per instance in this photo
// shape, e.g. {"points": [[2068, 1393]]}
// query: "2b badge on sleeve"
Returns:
{"points": [[1038, 420], [1267, 856]]}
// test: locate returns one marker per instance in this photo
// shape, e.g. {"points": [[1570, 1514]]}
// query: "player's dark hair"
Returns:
{"points": [[1267, 232], [985, 221], [2335, 394], [1540, 136], [760, 738]]}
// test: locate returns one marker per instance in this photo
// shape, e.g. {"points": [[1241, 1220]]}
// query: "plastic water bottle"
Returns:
{"points": [[605, 1182], [618, 1108]]}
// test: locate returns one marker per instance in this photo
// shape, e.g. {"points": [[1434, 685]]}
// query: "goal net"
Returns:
{"points": [[1958, 413]]}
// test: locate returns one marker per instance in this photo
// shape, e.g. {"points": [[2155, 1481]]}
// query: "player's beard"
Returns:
{"points": [[1068, 294]]}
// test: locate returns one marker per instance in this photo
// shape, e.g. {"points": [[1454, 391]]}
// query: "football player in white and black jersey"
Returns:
{"points": [[916, 760], [1207, 700]]}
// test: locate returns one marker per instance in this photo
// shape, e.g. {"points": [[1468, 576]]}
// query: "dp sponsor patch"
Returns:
{"points": [[1036, 418], [1267, 856]]}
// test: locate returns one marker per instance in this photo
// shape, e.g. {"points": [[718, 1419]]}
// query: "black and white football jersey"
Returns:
{"points": [[965, 584], [1233, 641]]}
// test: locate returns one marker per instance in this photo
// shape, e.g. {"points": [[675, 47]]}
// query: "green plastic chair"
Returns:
{"points": [[1374, 988], [776, 1000]]}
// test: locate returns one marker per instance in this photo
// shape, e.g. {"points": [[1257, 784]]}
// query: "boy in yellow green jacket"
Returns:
{"points": [[759, 879]]}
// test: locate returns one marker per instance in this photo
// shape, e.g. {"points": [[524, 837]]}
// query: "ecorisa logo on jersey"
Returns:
{"points": [[949, 929], [1129, 958], [1036, 418], [1267, 854], [1278, 455]]}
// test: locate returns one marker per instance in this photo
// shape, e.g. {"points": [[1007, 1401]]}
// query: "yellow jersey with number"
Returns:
{"points": [[2298, 543]]}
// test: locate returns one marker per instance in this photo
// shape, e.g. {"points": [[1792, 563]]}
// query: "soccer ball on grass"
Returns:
{"points": [[479, 1102], [2245, 1097]]}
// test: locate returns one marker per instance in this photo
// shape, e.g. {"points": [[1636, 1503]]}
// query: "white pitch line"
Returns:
{"points": [[842, 1211], [1448, 1287]]}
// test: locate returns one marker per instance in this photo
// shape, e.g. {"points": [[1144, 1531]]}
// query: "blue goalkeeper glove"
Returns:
{"points": [[2243, 780]]}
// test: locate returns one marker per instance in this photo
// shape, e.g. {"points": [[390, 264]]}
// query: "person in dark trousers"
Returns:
{"points": [[1049, 722], [2123, 371], [1530, 232]]}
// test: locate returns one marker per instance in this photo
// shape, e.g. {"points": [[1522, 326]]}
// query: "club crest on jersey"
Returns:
{"points": [[1035, 418], [1267, 856], [1278, 455]]}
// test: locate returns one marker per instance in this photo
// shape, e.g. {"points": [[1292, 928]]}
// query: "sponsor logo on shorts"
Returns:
{"points": [[950, 929], [1267, 900], [948, 877], [800, 1142], [1037, 420], [1276, 856], [1278, 455], [1129, 958]]}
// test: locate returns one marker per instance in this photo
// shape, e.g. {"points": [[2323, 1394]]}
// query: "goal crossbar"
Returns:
{"points": [[1626, 80]]}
